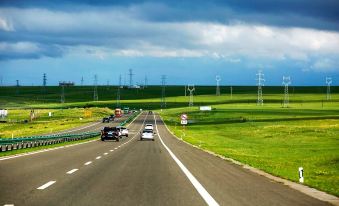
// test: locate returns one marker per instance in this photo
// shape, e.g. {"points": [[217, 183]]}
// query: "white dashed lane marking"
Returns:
{"points": [[111, 150], [98, 157], [72, 171], [105, 153], [46, 185], [87, 163]]}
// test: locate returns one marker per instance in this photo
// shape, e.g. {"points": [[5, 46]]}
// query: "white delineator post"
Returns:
{"points": [[301, 175]]}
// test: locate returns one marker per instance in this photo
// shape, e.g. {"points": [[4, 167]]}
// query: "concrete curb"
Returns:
{"points": [[320, 195]]}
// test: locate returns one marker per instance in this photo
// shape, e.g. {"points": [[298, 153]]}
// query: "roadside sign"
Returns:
{"points": [[184, 117], [183, 122]]}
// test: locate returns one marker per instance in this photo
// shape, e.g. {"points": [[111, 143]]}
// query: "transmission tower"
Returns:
{"points": [[62, 100], [191, 89], [130, 78], [82, 81], [118, 93], [95, 93], [328, 82], [286, 82], [218, 79], [260, 80], [163, 95], [44, 82]]}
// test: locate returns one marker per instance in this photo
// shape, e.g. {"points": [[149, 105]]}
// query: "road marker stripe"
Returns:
{"points": [[111, 150], [202, 191], [46, 185], [87, 163], [8, 204], [98, 157], [105, 153], [116, 148], [72, 171]]}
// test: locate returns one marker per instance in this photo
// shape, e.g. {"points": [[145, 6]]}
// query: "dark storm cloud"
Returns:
{"points": [[318, 14]]}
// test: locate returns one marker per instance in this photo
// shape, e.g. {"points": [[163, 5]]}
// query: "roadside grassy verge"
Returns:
{"points": [[61, 119], [20, 151], [270, 138]]}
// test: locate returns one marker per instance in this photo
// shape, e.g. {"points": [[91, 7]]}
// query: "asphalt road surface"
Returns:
{"points": [[133, 172]]}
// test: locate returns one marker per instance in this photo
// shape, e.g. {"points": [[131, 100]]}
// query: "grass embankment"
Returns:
{"points": [[274, 139], [33, 149], [61, 119]]}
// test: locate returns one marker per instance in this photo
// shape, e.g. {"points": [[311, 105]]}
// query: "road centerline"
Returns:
{"points": [[88, 163], [72, 171], [46, 185]]}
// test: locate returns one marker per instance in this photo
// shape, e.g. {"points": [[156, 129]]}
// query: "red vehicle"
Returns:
{"points": [[118, 112]]}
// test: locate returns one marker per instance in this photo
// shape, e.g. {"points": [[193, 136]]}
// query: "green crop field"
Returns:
{"points": [[274, 139]]}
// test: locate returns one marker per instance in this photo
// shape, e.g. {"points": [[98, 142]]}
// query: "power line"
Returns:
{"points": [[286, 82], [163, 95], [260, 80], [95, 93], [328, 92]]}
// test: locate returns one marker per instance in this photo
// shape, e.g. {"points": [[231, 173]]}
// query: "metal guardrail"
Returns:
{"points": [[8, 144]]}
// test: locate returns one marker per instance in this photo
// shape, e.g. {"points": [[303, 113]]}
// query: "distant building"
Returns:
{"points": [[67, 84]]}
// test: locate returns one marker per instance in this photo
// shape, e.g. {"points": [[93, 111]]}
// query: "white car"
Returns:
{"points": [[149, 127], [123, 131], [147, 134]]}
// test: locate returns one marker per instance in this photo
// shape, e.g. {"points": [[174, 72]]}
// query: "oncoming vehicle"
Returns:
{"points": [[149, 126], [110, 133], [147, 134], [105, 119]]}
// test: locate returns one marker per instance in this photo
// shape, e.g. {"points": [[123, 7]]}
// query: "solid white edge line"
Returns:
{"points": [[72, 171], [201, 190], [88, 163], [46, 185]]}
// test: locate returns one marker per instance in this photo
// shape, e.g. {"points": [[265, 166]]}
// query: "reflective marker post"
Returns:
{"points": [[301, 175]]}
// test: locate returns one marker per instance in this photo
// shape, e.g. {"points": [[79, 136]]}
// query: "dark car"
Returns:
{"points": [[111, 133], [105, 119], [111, 117]]}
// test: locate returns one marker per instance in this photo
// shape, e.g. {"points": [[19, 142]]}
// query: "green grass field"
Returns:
{"points": [[275, 139]]}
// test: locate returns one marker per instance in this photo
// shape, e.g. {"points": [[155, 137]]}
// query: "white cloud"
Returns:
{"points": [[325, 65], [115, 31], [5, 25]]}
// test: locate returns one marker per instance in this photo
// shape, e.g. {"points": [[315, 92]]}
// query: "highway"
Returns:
{"points": [[133, 172]]}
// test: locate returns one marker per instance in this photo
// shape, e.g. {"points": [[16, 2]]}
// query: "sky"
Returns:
{"points": [[189, 41]]}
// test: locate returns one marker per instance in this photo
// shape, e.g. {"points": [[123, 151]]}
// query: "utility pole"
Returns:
{"points": [[118, 93], [146, 81], [82, 81], [95, 93], [107, 84], [328, 92], [218, 79], [260, 80], [231, 92], [191, 89], [62, 100], [163, 95], [286, 82], [130, 78], [17, 86]]}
